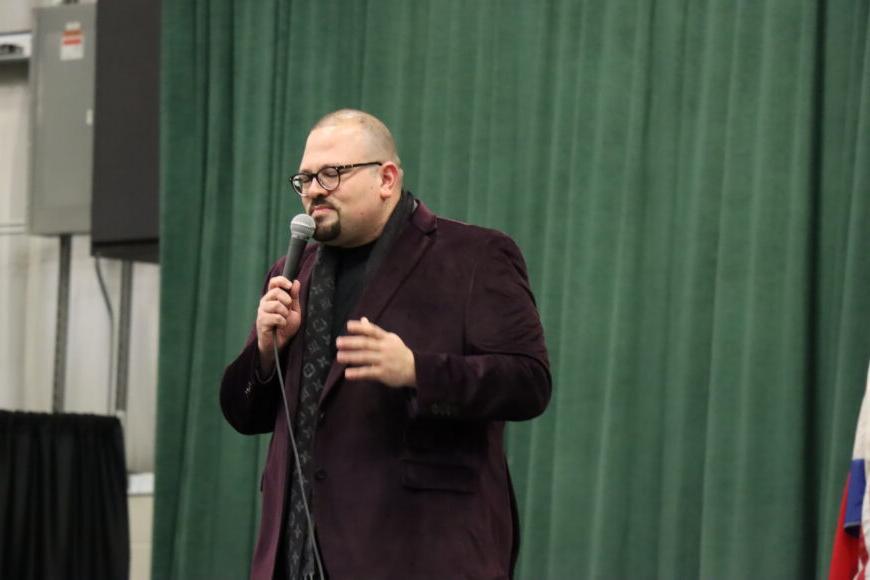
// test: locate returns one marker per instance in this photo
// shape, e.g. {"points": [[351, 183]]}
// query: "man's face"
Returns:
{"points": [[352, 214]]}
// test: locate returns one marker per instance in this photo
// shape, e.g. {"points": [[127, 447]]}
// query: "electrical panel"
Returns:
{"points": [[62, 119]]}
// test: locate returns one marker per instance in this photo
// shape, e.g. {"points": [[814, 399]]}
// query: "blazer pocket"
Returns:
{"points": [[435, 476]]}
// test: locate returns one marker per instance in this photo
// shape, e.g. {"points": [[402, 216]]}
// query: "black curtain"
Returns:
{"points": [[63, 497]]}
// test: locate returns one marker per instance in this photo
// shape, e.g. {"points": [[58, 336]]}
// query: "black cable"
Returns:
{"points": [[297, 469]]}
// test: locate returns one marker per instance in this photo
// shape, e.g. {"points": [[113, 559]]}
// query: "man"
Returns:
{"points": [[405, 343]]}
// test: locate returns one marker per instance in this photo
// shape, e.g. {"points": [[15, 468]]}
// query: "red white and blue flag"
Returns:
{"points": [[849, 561]]}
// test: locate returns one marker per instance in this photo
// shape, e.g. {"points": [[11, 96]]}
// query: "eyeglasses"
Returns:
{"points": [[328, 177]]}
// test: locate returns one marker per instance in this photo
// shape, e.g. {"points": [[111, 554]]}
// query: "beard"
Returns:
{"points": [[327, 228], [327, 232]]}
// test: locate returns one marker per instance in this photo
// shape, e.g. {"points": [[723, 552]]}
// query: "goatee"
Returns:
{"points": [[327, 232]]}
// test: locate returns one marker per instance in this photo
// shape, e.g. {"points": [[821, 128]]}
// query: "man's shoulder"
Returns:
{"points": [[471, 233], [467, 248], [454, 230]]}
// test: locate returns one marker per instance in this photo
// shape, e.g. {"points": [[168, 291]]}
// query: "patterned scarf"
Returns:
{"points": [[316, 361]]}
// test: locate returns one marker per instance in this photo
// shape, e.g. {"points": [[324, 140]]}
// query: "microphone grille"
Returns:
{"points": [[302, 226]]}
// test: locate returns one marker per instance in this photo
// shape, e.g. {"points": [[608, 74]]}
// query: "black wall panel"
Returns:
{"points": [[125, 205]]}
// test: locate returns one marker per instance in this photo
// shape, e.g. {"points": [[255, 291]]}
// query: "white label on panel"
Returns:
{"points": [[72, 42]]}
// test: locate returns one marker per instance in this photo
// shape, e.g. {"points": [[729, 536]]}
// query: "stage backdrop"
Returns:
{"points": [[690, 183]]}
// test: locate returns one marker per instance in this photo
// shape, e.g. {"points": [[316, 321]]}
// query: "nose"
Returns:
{"points": [[315, 190]]}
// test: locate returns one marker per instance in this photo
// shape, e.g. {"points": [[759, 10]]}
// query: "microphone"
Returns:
{"points": [[301, 229]]}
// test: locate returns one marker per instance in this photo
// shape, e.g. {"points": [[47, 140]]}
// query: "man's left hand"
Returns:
{"points": [[371, 353]]}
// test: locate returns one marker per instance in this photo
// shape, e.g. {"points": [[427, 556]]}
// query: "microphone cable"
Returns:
{"points": [[297, 467]]}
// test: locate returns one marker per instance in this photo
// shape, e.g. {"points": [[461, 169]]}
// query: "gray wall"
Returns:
{"points": [[28, 292]]}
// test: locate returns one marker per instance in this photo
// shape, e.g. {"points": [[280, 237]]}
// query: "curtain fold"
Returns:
{"points": [[689, 183]]}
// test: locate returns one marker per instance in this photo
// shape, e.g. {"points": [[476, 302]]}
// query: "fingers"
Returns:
{"points": [[356, 343], [362, 350], [280, 282], [362, 373], [276, 304], [366, 328], [361, 357], [278, 311], [270, 320], [266, 323], [294, 295], [276, 307], [279, 294], [371, 353], [286, 285]]}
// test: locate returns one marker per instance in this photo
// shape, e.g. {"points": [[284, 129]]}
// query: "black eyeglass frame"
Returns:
{"points": [[340, 169]]}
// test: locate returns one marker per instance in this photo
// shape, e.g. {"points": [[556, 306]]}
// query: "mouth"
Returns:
{"points": [[319, 206], [320, 209]]}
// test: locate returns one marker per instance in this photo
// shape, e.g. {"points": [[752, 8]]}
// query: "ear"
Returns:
{"points": [[389, 179]]}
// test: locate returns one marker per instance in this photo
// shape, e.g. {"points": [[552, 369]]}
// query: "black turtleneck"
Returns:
{"points": [[349, 280]]}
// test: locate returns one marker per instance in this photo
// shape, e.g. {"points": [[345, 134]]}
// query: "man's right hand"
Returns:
{"points": [[279, 310]]}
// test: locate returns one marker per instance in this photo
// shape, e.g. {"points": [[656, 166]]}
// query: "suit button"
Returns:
{"points": [[320, 474], [321, 418]]}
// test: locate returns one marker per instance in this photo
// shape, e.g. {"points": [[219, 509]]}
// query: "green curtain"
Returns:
{"points": [[690, 184]]}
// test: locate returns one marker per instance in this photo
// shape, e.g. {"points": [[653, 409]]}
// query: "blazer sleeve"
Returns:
{"points": [[248, 403], [504, 372]]}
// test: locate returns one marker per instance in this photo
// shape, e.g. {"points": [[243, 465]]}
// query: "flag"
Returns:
{"points": [[849, 561]]}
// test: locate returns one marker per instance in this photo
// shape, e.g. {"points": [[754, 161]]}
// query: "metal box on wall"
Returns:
{"points": [[62, 119]]}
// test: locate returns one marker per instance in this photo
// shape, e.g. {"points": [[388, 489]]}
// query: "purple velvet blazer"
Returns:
{"points": [[412, 483]]}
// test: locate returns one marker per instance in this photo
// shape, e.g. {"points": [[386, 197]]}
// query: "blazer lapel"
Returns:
{"points": [[408, 248]]}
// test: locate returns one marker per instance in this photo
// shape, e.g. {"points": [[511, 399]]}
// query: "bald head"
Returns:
{"points": [[353, 210], [378, 139]]}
